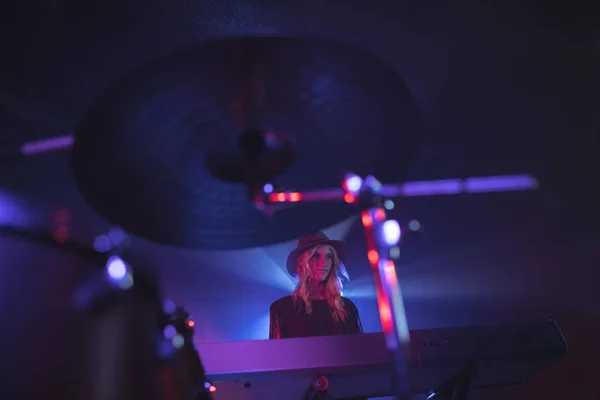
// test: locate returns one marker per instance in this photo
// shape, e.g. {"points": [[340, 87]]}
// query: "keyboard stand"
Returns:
{"points": [[313, 394]]}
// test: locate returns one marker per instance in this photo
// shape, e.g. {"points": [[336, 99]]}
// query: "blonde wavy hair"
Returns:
{"points": [[333, 284]]}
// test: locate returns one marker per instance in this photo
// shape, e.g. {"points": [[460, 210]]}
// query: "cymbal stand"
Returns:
{"points": [[382, 236]]}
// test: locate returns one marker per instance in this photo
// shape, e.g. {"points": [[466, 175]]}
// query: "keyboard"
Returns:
{"points": [[360, 365]]}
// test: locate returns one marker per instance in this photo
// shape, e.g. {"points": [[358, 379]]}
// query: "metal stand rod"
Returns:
{"points": [[47, 145], [36, 147], [483, 184], [389, 299]]}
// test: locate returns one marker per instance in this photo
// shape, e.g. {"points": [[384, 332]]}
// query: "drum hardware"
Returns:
{"points": [[134, 340], [183, 368], [136, 348]]}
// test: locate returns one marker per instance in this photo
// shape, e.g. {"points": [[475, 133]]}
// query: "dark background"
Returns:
{"points": [[503, 87]]}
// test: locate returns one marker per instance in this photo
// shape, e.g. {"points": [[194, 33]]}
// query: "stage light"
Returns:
{"points": [[391, 232], [209, 387], [118, 272], [102, 244], [116, 236], [373, 183], [268, 188], [373, 256], [353, 184], [414, 225], [395, 252], [170, 332], [169, 307], [116, 268], [389, 204], [349, 198], [178, 341]]}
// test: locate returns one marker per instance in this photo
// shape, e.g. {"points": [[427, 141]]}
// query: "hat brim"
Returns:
{"points": [[292, 260]]}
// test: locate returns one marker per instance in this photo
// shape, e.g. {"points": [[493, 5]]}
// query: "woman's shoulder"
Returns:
{"points": [[349, 304], [282, 303]]}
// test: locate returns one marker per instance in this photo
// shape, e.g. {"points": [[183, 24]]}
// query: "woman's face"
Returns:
{"points": [[321, 263]]}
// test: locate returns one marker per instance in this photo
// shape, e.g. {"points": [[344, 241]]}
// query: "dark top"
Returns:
{"points": [[289, 320]]}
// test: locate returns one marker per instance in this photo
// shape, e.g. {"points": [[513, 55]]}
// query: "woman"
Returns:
{"points": [[316, 308]]}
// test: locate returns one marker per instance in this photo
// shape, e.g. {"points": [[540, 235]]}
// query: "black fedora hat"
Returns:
{"points": [[310, 241]]}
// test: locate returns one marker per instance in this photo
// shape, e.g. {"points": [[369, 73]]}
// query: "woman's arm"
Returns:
{"points": [[274, 326], [354, 318], [359, 327]]}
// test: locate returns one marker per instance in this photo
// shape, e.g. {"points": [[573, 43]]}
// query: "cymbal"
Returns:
{"points": [[168, 152]]}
